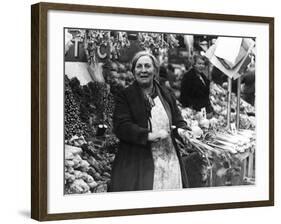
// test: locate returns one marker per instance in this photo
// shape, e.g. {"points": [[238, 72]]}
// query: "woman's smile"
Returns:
{"points": [[144, 75], [144, 71]]}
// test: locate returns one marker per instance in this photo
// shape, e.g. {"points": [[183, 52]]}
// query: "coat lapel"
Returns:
{"points": [[198, 84], [137, 104]]}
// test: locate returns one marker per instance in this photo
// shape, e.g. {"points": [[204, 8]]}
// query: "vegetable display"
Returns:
{"points": [[221, 153], [213, 157], [87, 168]]}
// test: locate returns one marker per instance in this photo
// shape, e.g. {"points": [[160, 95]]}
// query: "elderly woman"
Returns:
{"points": [[145, 112]]}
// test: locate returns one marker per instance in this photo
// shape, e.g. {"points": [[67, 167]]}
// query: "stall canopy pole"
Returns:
{"points": [[229, 82], [238, 103]]}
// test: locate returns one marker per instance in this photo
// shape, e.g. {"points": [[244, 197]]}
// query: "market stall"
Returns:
{"points": [[221, 150], [227, 156]]}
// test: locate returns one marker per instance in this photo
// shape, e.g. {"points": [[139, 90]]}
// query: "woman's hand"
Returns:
{"points": [[185, 135], [157, 135]]}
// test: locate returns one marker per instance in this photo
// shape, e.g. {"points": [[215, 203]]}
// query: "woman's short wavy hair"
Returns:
{"points": [[196, 57], [145, 53]]}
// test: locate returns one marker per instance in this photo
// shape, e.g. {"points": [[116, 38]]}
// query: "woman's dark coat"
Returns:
{"points": [[133, 167], [194, 93]]}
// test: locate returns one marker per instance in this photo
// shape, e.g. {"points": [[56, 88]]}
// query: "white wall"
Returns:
{"points": [[15, 112]]}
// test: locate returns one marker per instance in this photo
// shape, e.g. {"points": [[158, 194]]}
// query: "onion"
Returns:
{"points": [[196, 131], [205, 123]]}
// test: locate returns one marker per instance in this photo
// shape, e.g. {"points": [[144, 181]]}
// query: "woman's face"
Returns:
{"points": [[144, 71], [199, 65]]}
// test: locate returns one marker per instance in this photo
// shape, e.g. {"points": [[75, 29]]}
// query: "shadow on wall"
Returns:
{"points": [[25, 213]]}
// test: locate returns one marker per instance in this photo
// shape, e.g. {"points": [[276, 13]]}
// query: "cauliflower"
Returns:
{"points": [[69, 163], [69, 155], [93, 184], [72, 149], [79, 186], [69, 177], [77, 174], [84, 164], [86, 177]]}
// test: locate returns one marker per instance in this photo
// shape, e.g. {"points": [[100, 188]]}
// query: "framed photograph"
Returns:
{"points": [[139, 111]]}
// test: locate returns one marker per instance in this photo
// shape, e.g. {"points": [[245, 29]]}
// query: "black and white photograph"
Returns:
{"points": [[141, 111], [152, 111]]}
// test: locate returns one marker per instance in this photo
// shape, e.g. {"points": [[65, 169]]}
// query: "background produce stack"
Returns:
{"points": [[88, 156], [218, 97], [72, 121], [87, 167]]}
